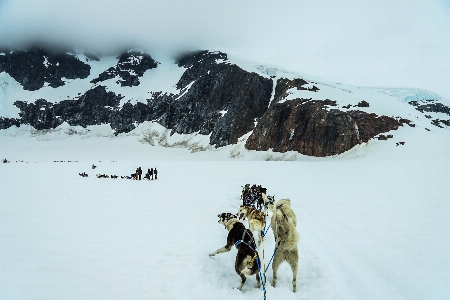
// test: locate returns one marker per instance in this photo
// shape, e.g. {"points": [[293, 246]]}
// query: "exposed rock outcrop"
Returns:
{"points": [[430, 106], [285, 84], [363, 103], [129, 68], [304, 126], [310, 128], [370, 125], [216, 97], [92, 108], [9, 122], [35, 67]]}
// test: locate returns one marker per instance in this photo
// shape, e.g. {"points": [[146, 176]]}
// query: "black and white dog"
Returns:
{"points": [[247, 259], [102, 176]]}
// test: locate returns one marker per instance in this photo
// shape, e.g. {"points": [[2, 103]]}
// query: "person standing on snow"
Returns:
{"points": [[139, 172], [156, 173], [147, 175]]}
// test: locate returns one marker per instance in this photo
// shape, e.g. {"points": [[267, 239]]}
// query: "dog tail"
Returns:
{"points": [[251, 264], [246, 271]]}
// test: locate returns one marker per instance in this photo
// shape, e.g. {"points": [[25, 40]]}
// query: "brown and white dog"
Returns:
{"points": [[247, 259], [256, 219], [284, 223]]}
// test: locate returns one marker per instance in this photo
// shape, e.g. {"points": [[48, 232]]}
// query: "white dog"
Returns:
{"points": [[284, 223]]}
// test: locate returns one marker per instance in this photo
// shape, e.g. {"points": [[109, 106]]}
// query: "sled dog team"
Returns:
{"points": [[283, 223], [152, 173]]}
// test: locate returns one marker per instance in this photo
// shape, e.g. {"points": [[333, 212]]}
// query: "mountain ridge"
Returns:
{"points": [[209, 95]]}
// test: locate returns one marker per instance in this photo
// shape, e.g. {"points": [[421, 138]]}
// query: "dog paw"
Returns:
{"points": [[212, 254]]}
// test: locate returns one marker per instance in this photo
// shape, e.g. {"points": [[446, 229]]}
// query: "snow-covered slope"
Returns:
{"points": [[163, 78], [382, 100], [166, 75], [392, 102]]}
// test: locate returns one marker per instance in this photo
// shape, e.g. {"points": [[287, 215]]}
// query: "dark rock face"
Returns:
{"points": [[438, 122], [284, 84], [95, 107], [130, 67], [383, 137], [314, 127], [39, 114], [304, 126], [363, 103], [370, 125], [8, 122], [222, 99], [33, 68], [92, 108], [311, 129], [215, 98], [431, 107]]}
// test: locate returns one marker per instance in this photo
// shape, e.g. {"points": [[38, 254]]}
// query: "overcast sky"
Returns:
{"points": [[403, 43]]}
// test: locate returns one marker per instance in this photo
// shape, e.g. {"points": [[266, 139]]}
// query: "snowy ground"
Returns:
{"points": [[374, 222]]}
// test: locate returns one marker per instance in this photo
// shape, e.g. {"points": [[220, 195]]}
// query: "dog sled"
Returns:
{"points": [[254, 208], [256, 197]]}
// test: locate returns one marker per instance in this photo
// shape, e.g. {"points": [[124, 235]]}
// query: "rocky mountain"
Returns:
{"points": [[36, 67], [129, 68], [205, 93]]}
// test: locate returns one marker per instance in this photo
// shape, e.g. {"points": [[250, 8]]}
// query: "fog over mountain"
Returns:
{"points": [[370, 42]]}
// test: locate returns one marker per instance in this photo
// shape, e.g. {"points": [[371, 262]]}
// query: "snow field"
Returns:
{"points": [[368, 229]]}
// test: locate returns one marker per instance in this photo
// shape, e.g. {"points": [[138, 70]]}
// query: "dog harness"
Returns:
{"points": [[254, 258], [242, 241], [238, 242], [250, 263], [282, 211]]}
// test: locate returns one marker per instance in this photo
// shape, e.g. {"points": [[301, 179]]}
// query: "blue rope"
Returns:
{"points": [[276, 248], [261, 277], [262, 231]]}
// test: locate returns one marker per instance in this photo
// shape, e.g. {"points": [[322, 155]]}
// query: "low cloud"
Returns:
{"points": [[372, 42]]}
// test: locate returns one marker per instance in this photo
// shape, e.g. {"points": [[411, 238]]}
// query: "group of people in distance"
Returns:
{"points": [[150, 173]]}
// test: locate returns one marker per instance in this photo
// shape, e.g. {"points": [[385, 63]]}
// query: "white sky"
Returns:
{"points": [[402, 43]]}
